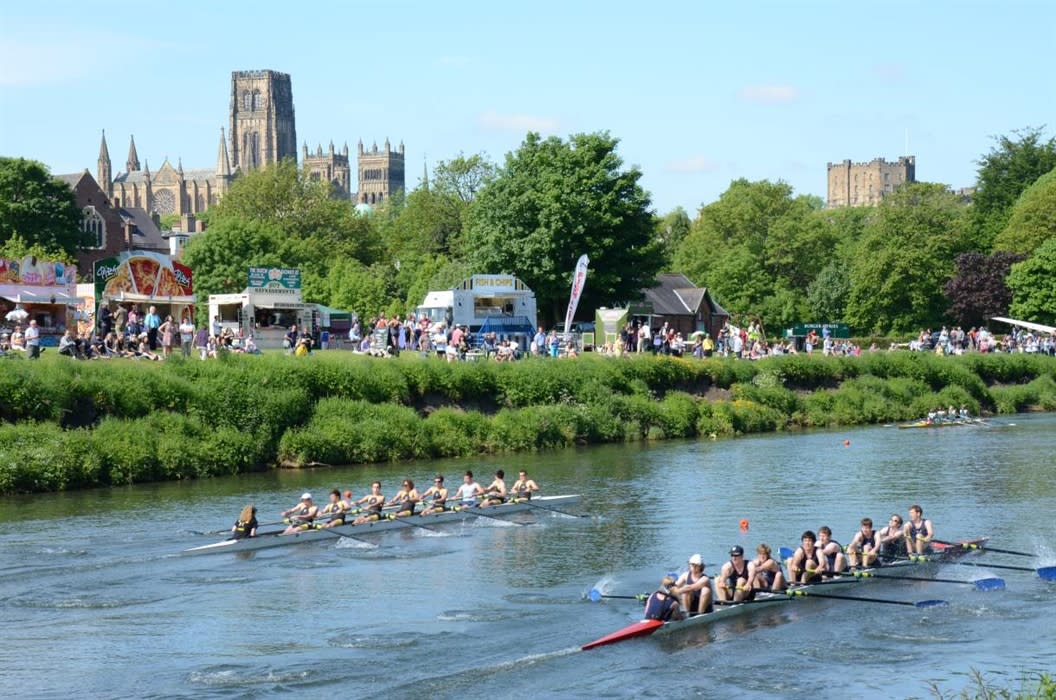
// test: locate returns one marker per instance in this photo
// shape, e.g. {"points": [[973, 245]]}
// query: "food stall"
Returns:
{"points": [[143, 279], [266, 308], [40, 290]]}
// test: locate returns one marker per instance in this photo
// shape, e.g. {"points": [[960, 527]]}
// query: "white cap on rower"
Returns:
{"points": [[306, 496], [695, 559]]}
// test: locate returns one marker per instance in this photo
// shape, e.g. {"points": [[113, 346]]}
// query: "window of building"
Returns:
{"points": [[247, 100], [256, 100], [94, 227], [887, 176]]}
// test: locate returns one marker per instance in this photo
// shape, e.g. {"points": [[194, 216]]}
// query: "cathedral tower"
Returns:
{"points": [[262, 122], [380, 173]]}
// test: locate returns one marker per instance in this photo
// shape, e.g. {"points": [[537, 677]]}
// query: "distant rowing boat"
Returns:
{"points": [[940, 424], [277, 539], [646, 628]]}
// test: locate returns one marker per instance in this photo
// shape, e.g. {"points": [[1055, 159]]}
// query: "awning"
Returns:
{"points": [[270, 304], [1041, 328], [145, 298], [28, 297]]}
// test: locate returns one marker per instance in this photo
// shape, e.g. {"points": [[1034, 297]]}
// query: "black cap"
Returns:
{"points": [[736, 551]]}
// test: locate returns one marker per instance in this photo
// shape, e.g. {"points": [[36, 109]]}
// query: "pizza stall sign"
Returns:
{"points": [[152, 275]]}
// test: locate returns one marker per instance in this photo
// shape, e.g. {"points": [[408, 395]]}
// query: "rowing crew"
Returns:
{"points": [[818, 557], [948, 415], [340, 508]]}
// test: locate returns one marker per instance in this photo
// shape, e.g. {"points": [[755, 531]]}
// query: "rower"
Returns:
{"points": [[523, 488], [864, 547], [891, 540], [964, 413], [919, 532], [805, 565], [694, 588], [932, 415], [951, 413], [404, 500], [373, 502], [495, 494], [435, 497], [300, 516], [333, 513], [734, 578], [469, 490], [764, 572], [246, 525], [831, 552], [663, 604]]}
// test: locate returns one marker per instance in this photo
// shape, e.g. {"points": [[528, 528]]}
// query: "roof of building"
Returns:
{"points": [[675, 295], [146, 234], [73, 179], [136, 176]]}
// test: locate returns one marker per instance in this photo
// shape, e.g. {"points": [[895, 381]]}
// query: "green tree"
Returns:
{"points": [[827, 294], [1004, 174], [555, 200], [463, 176], [672, 230], [221, 257], [904, 259], [1033, 286], [758, 248], [364, 289], [38, 208], [1032, 220]]}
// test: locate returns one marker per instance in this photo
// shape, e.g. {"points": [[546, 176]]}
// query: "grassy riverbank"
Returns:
{"points": [[67, 424]]}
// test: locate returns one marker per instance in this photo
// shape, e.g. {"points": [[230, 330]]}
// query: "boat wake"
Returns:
{"points": [[229, 676], [349, 543]]}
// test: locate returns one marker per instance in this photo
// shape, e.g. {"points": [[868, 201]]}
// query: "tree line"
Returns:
{"points": [[925, 256]]}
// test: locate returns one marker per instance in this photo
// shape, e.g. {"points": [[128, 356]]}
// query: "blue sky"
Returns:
{"points": [[699, 93]]}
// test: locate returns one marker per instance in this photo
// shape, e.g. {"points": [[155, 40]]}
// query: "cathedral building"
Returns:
{"points": [[170, 190], [329, 167], [263, 129], [381, 173]]}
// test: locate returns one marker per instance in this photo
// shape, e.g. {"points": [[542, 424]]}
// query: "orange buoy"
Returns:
{"points": [[744, 524]]}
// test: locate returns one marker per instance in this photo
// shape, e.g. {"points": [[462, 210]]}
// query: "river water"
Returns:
{"points": [[95, 600]]}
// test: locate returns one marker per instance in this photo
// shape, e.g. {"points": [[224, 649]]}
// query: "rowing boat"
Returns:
{"points": [[644, 628], [277, 539], [937, 424]]}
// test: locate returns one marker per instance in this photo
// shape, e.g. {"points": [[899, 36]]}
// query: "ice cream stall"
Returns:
{"points": [[40, 290]]}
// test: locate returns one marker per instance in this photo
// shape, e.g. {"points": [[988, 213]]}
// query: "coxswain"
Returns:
{"points": [[764, 572], [733, 582], [495, 494], [805, 565], [300, 516], [372, 503], [524, 487], [831, 552], [919, 532], [663, 604], [864, 547], [405, 500], [334, 512], [469, 490], [891, 540], [694, 588], [435, 497], [246, 525]]}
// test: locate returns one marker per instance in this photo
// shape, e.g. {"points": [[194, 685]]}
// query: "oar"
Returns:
{"points": [[406, 520], [983, 584], [985, 548], [595, 595], [555, 510], [798, 592], [477, 511], [1048, 573]]}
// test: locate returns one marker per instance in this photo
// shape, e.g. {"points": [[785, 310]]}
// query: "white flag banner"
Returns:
{"points": [[579, 278]]}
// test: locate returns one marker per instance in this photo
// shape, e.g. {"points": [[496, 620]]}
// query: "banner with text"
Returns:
{"points": [[579, 278], [274, 278]]}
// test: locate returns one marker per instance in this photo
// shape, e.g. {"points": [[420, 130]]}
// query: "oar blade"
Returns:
{"points": [[990, 584], [932, 604], [594, 596], [1047, 573], [785, 553]]}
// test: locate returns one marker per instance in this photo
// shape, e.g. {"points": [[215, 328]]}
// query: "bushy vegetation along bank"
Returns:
{"points": [[70, 425]]}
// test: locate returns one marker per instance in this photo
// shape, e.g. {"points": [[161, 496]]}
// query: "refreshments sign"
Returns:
{"points": [[274, 278]]}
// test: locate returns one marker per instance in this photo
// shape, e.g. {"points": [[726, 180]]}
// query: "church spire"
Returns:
{"points": [[103, 168], [425, 175], [223, 164], [133, 158]]}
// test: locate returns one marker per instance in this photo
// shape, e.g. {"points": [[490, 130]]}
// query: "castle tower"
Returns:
{"points": [[103, 171], [866, 184], [381, 173], [263, 129], [132, 164]]}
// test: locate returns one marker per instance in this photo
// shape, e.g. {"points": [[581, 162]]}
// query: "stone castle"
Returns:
{"points": [[262, 131], [865, 184]]}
